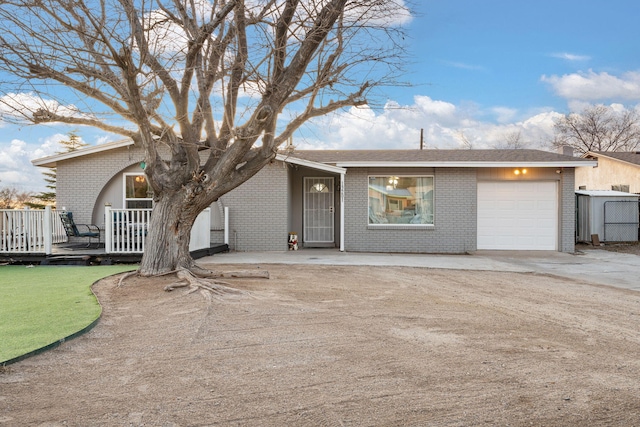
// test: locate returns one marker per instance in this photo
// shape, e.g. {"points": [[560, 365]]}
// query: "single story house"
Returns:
{"points": [[616, 170], [420, 201]]}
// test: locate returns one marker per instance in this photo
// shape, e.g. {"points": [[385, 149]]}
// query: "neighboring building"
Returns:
{"points": [[619, 171], [421, 201]]}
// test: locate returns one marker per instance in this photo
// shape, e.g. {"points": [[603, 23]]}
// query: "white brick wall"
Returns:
{"points": [[259, 211]]}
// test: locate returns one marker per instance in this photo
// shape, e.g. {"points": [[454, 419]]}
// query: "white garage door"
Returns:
{"points": [[518, 215]]}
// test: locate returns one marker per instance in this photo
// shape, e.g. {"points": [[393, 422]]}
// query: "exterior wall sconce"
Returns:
{"points": [[519, 171]]}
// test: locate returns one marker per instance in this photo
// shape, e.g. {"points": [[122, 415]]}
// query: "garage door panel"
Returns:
{"points": [[518, 215]]}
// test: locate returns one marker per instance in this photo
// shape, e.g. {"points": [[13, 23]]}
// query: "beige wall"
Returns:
{"points": [[609, 172]]}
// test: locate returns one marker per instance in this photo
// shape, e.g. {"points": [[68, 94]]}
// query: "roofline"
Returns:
{"points": [[471, 164], [50, 161], [340, 167], [599, 154], [310, 164]]}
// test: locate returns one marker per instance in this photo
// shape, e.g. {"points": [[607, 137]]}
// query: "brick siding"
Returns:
{"points": [[259, 211], [455, 205]]}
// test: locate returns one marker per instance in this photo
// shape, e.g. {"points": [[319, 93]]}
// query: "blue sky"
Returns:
{"points": [[495, 52], [481, 71]]}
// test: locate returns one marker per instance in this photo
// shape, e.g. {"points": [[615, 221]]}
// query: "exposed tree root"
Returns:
{"points": [[212, 274], [126, 276], [208, 288], [200, 279]]}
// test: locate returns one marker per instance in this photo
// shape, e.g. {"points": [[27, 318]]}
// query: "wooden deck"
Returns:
{"points": [[78, 254]]}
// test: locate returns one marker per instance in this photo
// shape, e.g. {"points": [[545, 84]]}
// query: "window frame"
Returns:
{"points": [[126, 199], [386, 177]]}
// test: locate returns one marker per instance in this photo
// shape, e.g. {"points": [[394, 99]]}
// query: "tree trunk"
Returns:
{"points": [[168, 236]]}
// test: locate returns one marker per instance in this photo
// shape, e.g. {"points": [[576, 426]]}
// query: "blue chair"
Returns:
{"points": [[71, 228]]}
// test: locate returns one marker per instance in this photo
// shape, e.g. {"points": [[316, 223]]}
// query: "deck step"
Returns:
{"points": [[67, 260]]}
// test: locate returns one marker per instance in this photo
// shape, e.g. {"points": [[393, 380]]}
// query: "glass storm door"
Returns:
{"points": [[318, 210]]}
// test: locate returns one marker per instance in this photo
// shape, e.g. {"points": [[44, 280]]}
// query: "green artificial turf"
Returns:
{"points": [[44, 304]]}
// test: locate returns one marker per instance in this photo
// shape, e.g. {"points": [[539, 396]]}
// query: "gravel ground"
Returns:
{"points": [[627, 248], [343, 346]]}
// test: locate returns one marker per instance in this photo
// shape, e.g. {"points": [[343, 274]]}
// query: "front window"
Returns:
{"points": [[137, 192], [403, 200]]}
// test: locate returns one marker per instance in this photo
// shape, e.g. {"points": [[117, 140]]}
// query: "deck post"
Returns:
{"points": [[226, 225], [108, 225], [48, 231]]}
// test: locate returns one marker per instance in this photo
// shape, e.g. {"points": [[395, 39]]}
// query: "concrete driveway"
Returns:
{"points": [[593, 266]]}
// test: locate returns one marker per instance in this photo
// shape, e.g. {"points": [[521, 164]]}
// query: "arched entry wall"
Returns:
{"points": [[112, 193]]}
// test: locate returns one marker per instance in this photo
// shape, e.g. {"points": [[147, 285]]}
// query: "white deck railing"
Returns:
{"points": [[58, 233], [125, 230], [30, 230], [34, 231]]}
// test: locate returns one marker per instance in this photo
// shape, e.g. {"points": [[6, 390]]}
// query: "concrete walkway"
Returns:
{"points": [[593, 266]]}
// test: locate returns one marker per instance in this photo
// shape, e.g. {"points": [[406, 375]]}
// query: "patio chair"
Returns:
{"points": [[71, 228]]}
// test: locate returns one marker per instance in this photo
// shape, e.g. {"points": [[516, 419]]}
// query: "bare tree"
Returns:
{"points": [[598, 128], [512, 140], [464, 141], [12, 198], [183, 78]]}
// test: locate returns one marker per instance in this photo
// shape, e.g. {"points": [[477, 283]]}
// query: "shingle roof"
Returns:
{"points": [[632, 157], [337, 157]]}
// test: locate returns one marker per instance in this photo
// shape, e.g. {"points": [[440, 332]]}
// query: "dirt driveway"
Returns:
{"points": [[344, 346]]}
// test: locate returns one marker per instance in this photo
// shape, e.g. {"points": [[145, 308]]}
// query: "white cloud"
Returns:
{"points": [[9, 157], [14, 164], [19, 107], [386, 14], [504, 114], [592, 86], [463, 65], [570, 56], [16, 169], [445, 125]]}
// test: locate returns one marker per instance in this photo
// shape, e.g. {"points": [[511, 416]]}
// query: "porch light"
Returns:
{"points": [[520, 171]]}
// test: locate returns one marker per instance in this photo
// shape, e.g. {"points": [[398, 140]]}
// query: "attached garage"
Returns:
{"points": [[520, 215]]}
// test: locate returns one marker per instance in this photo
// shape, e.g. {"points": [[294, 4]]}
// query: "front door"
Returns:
{"points": [[318, 212]]}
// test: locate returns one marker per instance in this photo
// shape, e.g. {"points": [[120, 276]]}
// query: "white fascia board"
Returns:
{"points": [[50, 161], [310, 164], [559, 164]]}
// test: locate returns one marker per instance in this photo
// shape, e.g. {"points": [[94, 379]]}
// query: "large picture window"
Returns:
{"points": [[403, 200], [137, 192]]}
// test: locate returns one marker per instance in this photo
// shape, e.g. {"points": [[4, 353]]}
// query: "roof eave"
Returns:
{"points": [[51, 161], [528, 164], [310, 164]]}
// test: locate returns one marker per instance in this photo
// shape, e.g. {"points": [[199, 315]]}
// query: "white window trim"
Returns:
{"points": [[402, 226], [124, 188]]}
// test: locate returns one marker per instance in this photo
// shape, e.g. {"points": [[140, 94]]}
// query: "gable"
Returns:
{"points": [[611, 173]]}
